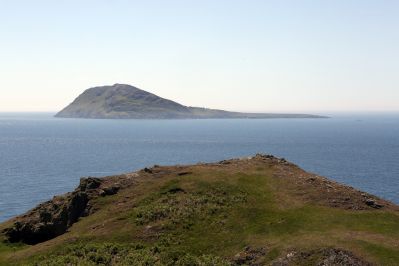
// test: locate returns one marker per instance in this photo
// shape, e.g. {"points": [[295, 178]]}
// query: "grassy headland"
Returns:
{"points": [[254, 211]]}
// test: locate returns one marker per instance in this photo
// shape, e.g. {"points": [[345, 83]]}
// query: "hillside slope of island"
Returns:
{"points": [[260, 210], [121, 101]]}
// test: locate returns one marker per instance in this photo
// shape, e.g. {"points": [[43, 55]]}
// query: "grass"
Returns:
{"points": [[7, 249], [208, 216], [387, 255]]}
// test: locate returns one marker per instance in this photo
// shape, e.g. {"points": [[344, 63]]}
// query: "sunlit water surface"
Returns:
{"points": [[41, 156]]}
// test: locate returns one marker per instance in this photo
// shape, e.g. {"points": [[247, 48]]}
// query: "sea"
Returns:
{"points": [[42, 156]]}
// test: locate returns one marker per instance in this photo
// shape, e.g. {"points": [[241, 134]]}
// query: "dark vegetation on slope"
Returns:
{"points": [[121, 101], [254, 211]]}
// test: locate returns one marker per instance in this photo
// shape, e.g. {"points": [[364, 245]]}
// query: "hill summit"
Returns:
{"points": [[122, 101], [258, 210]]}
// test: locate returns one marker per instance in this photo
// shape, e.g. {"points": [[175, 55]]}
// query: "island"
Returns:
{"points": [[259, 210], [121, 101]]}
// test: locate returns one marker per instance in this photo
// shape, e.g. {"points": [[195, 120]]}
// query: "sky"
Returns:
{"points": [[241, 55]]}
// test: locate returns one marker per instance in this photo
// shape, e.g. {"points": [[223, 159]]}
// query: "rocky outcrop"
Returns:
{"points": [[322, 257], [54, 217], [249, 256]]}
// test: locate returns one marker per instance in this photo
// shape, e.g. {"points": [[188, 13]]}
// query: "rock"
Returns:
{"points": [[264, 156], [340, 257], [89, 183], [249, 256], [148, 170], [322, 257], [283, 161], [372, 203], [184, 173], [54, 217], [108, 191], [49, 220]]}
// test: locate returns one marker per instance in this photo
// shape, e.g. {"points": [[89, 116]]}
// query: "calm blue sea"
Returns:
{"points": [[41, 156]]}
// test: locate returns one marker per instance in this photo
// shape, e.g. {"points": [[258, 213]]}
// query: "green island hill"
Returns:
{"points": [[121, 101]]}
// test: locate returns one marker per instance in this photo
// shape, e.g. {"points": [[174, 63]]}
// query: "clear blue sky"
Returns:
{"points": [[242, 55]]}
